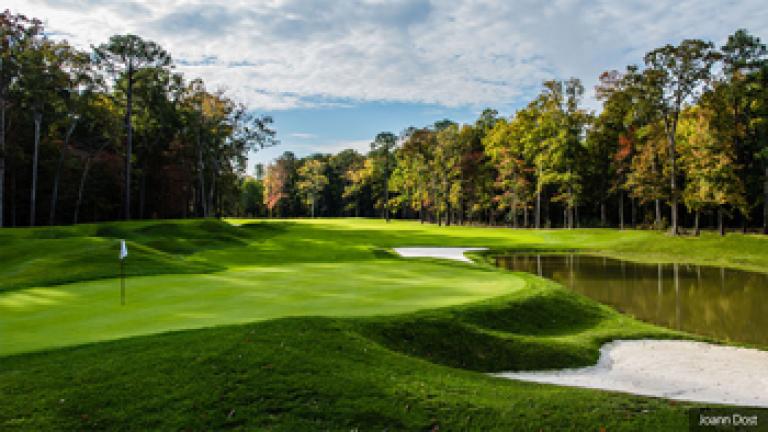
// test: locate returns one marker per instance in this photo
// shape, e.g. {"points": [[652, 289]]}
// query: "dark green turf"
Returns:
{"points": [[333, 332]]}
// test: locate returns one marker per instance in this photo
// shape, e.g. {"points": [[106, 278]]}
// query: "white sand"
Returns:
{"points": [[449, 253], [681, 370]]}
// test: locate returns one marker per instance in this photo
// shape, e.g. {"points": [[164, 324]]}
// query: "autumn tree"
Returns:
{"points": [[674, 77], [710, 166], [312, 181], [413, 176], [359, 179]]}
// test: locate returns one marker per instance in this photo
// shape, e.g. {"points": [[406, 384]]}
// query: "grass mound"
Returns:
{"points": [[546, 313], [464, 346], [58, 255], [81, 258], [540, 327]]}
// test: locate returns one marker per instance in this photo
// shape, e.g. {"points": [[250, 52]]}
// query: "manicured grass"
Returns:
{"points": [[378, 373], [39, 318], [323, 328]]}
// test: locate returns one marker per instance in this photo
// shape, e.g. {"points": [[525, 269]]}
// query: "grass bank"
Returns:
{"points": [[412, 371]]}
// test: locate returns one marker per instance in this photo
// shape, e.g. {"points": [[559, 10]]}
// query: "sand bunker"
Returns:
{"points": [[681, 370], [449, 253]]}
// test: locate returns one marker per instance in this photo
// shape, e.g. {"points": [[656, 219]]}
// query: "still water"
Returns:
{"points": [[727, 304]]}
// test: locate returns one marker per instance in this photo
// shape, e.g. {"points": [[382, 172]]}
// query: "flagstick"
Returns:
{"points": [[122, 282]]}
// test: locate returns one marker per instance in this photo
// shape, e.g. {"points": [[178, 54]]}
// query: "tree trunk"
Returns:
{"points": [[12, 194], [765, 200], [386, 183], [513, 210], [672, 178], [657, 204], [720, 224], [57, 176], [537, 216], [603, 221], [128, 143], [313, 206], [576, 216], [212, 190], [421, 212], [633, 213], [696, 230], [38, 117], [565, 216], [81, 189], [201, 207], [621, 210], [525, 215], [570, 203], [143, 190]]}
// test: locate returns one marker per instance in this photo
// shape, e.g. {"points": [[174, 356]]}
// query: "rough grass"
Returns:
{"points": [[312, 325]]}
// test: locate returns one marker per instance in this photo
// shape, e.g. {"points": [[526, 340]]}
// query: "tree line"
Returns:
{"points": [[680, 141], [113, 132]]}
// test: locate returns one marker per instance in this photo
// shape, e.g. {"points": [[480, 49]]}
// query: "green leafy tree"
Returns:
{"points": [[79, 84], [742, 55], [252, 197], [16, 34], [381, 149], [124, 56]]}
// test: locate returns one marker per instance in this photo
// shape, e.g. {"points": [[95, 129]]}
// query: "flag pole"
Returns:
{"points": [[122, 281], [123, 256]]}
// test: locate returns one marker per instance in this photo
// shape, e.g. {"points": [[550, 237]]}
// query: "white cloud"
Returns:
{"points": [[361, 146], [280, 54], [303, 135]]}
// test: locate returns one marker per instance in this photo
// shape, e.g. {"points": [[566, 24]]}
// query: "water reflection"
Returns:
{"points": [[727, 304]]}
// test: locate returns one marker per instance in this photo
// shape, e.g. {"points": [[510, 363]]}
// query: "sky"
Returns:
{"points": [[332, 74]]}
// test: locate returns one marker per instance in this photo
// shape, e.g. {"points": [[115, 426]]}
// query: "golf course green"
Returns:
{"points": [[313, 325]]}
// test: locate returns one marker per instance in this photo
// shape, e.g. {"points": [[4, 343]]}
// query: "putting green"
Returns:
{"points": [[70, 314]]}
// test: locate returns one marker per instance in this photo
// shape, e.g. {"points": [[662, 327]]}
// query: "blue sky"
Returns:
{"points": [[352, 125], [334, 73]]}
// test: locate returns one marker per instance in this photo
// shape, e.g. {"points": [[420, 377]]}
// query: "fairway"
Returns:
{"points": [[314, 324]]}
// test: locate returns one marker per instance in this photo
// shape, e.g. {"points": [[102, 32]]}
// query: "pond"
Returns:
{"points": [[726, 304]]}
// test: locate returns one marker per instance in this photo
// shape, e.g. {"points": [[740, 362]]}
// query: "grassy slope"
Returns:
{"points": [[315, 373], [51, 256]]}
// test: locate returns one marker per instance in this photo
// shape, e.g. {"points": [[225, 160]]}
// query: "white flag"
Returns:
{"points": [[123, 249]]}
